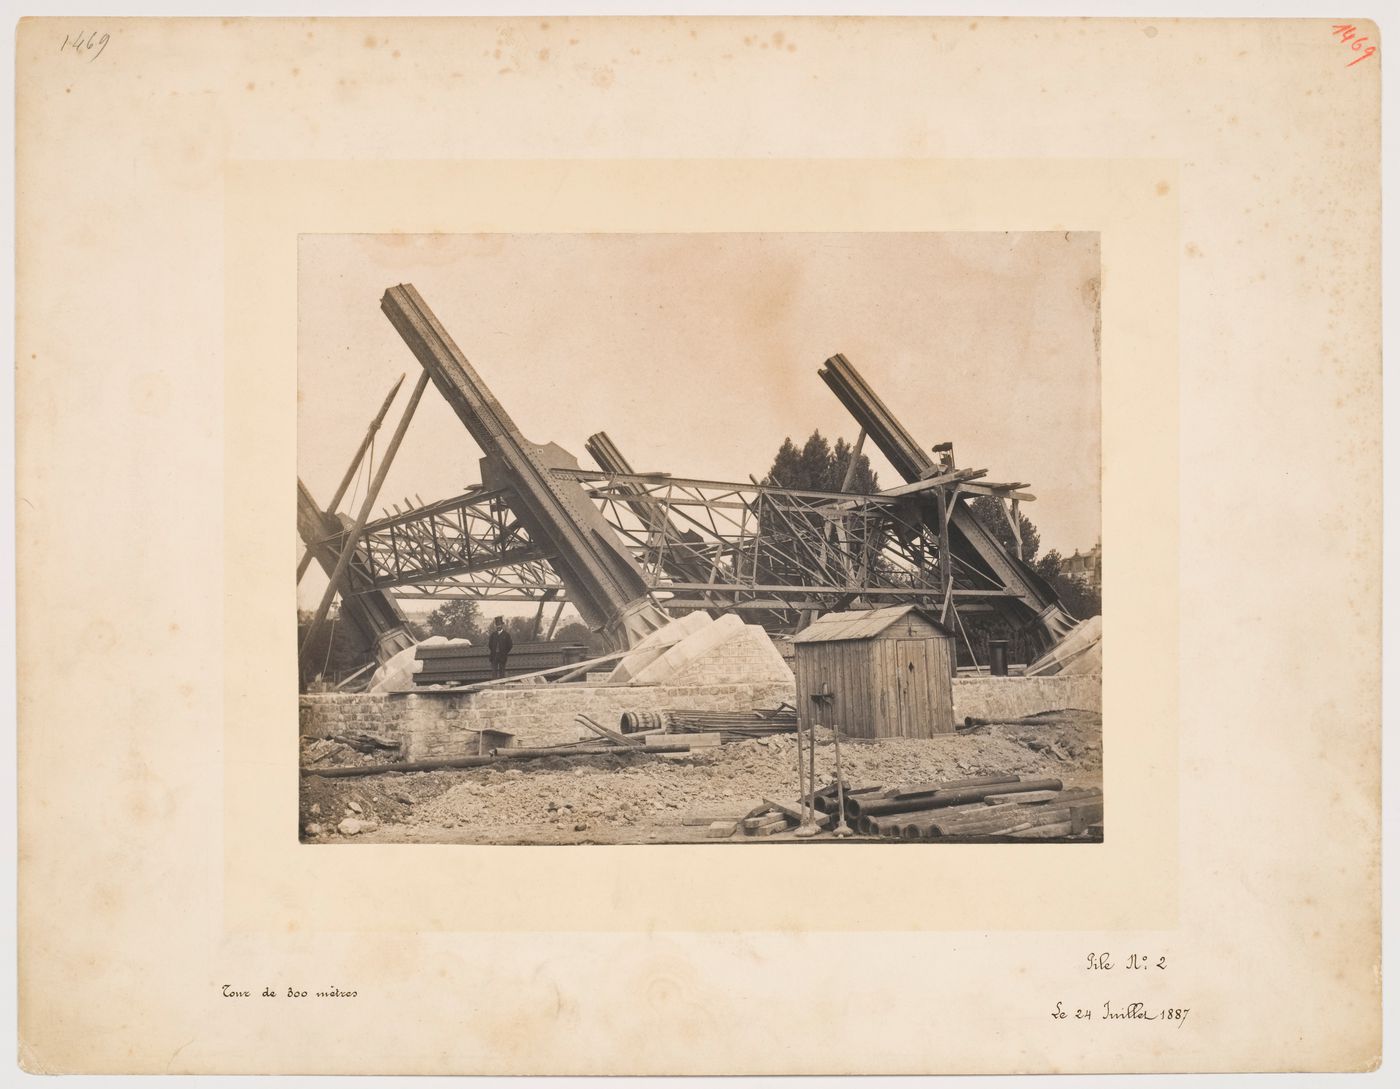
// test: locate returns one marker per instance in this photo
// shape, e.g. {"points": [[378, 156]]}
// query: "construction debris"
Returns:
{"points": [[623, 796]]}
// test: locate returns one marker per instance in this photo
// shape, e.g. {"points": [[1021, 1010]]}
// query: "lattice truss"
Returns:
{"points": [[699, 543]]}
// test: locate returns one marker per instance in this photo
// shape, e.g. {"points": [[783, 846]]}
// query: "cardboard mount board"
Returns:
{"points": [[169, 175]]}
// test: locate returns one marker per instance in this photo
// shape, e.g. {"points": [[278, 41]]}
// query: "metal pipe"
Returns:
{"points": [[416, 765], [1054, 719], [523, 753], [1006, 784], [956, 796], [992, 825], [951, 784]]}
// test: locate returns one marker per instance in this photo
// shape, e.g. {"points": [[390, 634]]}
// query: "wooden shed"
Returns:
{"points": [[890, 672]]}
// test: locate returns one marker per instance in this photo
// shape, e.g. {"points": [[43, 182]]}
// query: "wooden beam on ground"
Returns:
{"points": [[612, 735]]}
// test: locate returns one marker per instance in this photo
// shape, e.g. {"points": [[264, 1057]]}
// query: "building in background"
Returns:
{"points": [[1087, 566]]}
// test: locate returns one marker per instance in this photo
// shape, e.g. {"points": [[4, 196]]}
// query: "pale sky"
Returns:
{"points": [[698, 354]]}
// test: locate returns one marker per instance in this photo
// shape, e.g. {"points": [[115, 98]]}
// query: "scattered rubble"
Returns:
{"points": [[625, 797]]}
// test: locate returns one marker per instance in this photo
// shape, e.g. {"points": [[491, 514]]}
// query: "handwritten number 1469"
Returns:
{"points": [[1346, 32], [85, 43]]}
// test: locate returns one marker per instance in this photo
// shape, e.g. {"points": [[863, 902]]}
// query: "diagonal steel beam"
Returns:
{"points": [[603, 580]]}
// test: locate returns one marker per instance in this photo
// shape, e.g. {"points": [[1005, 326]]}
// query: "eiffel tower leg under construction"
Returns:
{"points": [[970, 540], [602, 579], [373, 614]]}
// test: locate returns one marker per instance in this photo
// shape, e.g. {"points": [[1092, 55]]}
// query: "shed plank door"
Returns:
{"points": [[915, 702]]}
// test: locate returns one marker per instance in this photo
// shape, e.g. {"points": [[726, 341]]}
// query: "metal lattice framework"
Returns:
{"points": [[701, 544]]}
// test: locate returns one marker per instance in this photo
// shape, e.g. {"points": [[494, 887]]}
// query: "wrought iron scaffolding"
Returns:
{"points": [[701, 544]]}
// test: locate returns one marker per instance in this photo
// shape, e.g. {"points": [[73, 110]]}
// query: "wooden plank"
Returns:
{"points": [[695, 741], [778, 824], [938, 711], [611, 735], [794, 810], [914, 689], [702, 820], [1044, 831], [1032, 797], [998, 491], [958, 476], [720, 829], [765, 820]]}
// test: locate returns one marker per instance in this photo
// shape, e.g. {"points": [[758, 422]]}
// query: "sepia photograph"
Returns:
{"points": [[699, 538]]}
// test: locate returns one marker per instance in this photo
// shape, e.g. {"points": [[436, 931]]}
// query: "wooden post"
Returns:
{"points": [[354, 467], [945, 552], [352, 535], [1012, 510]]}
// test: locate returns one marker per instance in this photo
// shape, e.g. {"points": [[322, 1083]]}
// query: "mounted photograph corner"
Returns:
{"points": [[801, 589]]}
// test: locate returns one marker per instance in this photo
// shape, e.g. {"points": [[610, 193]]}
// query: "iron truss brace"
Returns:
{"points": [[700, 543]]}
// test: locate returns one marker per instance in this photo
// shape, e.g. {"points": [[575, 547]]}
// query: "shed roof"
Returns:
{"points": [[867, 624]]}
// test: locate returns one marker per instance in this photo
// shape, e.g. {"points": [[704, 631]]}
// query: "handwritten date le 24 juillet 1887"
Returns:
{"points": [[1123, 1011]]}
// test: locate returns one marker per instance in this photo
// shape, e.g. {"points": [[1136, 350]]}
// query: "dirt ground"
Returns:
{"points": [[645, 798]]}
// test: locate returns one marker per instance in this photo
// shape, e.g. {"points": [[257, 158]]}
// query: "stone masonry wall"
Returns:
{"points": [[442, 724], [1014, 697], [430, 725]]}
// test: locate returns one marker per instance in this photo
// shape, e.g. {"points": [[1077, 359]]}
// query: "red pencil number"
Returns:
{"points": [[1345, 32]]}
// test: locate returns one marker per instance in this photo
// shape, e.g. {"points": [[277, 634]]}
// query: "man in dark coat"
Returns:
{"points": [[499, 644]]}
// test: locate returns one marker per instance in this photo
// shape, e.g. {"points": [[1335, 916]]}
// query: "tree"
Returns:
{"points": [[458, 619], [819, 466], [1079, 598], [992, 514]]}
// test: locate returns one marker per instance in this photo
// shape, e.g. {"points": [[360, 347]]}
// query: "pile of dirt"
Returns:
{"points": [[324, 752], [606, 795], [377, 799]]}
